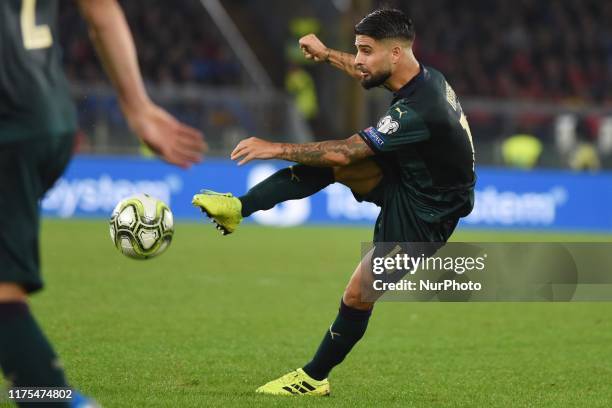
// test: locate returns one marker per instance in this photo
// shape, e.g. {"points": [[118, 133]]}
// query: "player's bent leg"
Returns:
{"points": [[292, 183], [361, 177]]}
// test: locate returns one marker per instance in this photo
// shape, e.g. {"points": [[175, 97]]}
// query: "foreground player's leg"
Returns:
{"points": [[339, 339], [291, 183], [26, 357]]}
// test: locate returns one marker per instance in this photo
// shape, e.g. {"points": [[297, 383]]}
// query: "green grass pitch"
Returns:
{"points": [[215, 317]]}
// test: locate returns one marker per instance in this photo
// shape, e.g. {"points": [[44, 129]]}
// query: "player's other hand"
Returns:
{"points": [[173, 141], [313, 48], [254, 148]]}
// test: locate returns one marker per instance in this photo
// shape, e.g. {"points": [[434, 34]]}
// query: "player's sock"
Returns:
{"points": [[292, 183], [342, 335], [26, 357]]}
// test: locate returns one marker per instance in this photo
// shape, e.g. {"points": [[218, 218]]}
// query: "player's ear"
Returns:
{"points": [[396, 52]]}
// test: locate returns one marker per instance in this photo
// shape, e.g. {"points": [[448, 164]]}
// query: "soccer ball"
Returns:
{"points": [[141, 226]]}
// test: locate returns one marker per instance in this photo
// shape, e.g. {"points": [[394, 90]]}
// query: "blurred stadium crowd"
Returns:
{"points": [[555, 50], [177, 43], [556, 53], [559, 50]]}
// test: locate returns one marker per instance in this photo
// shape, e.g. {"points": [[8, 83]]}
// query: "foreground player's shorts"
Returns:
{"points": [[28, 168]]}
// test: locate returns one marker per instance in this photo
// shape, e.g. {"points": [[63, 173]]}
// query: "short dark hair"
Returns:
{"points": [[386, 23]]}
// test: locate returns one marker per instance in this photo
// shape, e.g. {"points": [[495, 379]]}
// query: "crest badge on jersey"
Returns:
{"points": [[387, 125]]}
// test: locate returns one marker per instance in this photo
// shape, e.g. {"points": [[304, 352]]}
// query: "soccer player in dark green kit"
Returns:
{"points": [[37, 127], [416, 163]]}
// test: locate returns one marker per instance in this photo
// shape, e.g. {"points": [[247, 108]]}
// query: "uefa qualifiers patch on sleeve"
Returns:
{"points": [[374, 136]]}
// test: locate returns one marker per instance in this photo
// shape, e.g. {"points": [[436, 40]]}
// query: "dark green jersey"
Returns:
{"points": [[34, 96], [424, 138]]}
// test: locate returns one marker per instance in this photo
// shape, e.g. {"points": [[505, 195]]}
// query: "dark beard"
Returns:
{"points": [[375, 80]]}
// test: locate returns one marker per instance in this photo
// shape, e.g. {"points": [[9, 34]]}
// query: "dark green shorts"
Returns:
{"points": [[27, 170], [398, 220]]}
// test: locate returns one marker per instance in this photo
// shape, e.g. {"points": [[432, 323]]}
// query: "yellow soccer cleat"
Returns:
{"points": [[225, 210], [296, 383]]}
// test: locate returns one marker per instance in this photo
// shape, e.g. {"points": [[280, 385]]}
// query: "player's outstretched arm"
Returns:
{"points": [[175, 142], [330, 153], [315, 50]]}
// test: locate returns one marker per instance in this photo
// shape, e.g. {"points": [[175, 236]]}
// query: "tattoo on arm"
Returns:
{"points": [[329, 153], [343, 61]]}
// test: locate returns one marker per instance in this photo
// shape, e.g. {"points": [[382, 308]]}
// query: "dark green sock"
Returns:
{"points": [[292, 183], [26, 356], [348, 328]]}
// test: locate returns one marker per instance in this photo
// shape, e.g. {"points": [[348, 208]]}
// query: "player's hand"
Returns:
{"points": [[313, 48], [173, 141], [254, 148]]}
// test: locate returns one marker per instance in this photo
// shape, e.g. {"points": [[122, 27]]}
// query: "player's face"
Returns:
{"points": [[373, 61]]}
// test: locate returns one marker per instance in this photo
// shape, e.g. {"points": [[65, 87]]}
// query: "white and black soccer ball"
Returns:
{"points": [[141, 226]]}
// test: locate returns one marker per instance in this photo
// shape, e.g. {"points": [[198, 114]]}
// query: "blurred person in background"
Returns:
{"points": [[298, 81], [521, 150]]}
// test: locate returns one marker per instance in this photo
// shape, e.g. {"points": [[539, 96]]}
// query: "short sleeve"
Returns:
{"points": [[398, 127]]}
